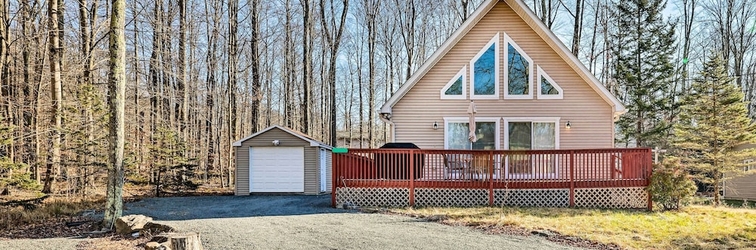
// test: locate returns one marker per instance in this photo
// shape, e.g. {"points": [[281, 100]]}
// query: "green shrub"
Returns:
{"points": [[671, 187]]}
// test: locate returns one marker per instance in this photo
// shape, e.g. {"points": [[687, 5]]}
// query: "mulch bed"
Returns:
{"points": [[509, 230]]}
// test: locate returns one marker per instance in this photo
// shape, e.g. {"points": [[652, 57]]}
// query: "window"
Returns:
{"points": [[517, 70], [547, 87], [749, 165], [455, 89], [531, 134], [484, 72], [457, 131]]}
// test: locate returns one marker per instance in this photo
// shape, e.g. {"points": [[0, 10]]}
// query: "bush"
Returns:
{"points": [[670, 186]]}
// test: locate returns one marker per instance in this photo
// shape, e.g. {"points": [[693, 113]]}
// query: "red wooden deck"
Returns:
{"points": [[492, 169]]}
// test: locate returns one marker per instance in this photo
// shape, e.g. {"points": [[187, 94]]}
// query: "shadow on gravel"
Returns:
{"points": [[208, 207]]}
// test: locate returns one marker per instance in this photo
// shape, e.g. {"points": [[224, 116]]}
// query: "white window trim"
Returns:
{"points": [[494, 41], [748, 165], [508, 40], [459, 74], [555, 120], [448, 120], [542, 73]]}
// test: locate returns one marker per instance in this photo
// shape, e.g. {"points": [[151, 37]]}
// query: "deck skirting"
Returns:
{"points": [[615, 197]]}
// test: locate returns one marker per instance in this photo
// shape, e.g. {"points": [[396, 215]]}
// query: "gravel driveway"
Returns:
{"points": [[305, 222]]}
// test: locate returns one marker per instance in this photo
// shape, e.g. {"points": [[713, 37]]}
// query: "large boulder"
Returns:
{"points": [[131, 223]]}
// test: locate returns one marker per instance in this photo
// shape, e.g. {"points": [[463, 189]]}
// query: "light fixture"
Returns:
{"points": [[568, 125], [435, 125], [276, 142]]}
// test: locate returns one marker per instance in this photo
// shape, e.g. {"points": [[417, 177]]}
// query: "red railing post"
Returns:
{"points": [[650, 165], [490, 179], [412, 178], [572, 178]]}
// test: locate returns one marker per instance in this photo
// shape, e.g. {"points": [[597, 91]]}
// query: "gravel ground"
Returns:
{"points": [[300, 222]]}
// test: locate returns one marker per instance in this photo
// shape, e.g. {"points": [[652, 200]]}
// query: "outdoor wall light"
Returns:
{"points": [[435, 125], [568, 125], [276, 142]]}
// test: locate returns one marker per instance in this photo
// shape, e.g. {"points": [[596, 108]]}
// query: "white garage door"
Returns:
{"points": [[276, 169]]}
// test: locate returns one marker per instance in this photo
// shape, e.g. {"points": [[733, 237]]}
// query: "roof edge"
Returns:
{"points": [[453, 39], [313, 142], [524, 12], [618, 107]]}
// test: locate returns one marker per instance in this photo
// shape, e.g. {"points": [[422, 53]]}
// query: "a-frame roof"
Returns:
{"points": [[300, 135], [532, 20]]}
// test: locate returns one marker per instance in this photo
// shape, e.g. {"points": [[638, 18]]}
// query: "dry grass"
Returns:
{"points": [[53, 207], [698, 227]]}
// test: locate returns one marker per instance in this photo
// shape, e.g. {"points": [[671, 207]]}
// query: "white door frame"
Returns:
{"points": [[323, 170]]}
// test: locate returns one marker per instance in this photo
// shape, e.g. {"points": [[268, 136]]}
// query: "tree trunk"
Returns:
{"points": [[55, 93], [332, 34], [116, 101]]}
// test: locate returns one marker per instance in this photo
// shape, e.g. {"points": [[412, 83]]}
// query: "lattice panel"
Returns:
{"points": [[373, 197], [532, 197], [449, 197], [635, 197]]}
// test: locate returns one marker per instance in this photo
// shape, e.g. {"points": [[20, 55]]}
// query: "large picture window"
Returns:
{"points": [[517, 68], [457, 131], [484, 71], [531, 134]]}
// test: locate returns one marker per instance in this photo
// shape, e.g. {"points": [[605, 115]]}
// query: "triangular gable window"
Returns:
{"points": [[517, 70], [484, 71], [455, 89], [547, 87]]}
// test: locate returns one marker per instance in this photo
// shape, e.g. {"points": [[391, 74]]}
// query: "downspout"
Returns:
{"points": [[386, 117]]}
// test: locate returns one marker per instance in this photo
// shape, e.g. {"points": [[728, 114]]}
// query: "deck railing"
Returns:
{"points": [[492, 169]]}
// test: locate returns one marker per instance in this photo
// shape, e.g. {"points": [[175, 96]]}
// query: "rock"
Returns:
{"points": [[131, 223], [156, 228], [436, 218], [154, 246], [544, 233]]}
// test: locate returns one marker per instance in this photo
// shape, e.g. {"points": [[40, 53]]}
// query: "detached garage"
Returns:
{"points": [[281, 160]]}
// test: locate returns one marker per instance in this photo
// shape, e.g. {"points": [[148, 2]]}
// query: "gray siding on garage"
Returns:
{"points": [[311, 159]]}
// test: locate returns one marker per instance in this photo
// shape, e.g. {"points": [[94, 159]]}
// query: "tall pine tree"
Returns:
{"points": [[713, 121], [644, 44]]}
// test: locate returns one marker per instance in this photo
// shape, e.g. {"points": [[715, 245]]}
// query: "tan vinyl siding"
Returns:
{"points": [[743, 187], [589, 114], [311, 177], [311, 172], [242, 171]]}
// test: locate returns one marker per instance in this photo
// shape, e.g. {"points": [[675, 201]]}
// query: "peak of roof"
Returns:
{"points": [[291, 131], [532, 20]]}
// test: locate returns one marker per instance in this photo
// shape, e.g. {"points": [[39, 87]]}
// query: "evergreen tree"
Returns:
{"points": [[644, 74], [171, 169], [713, 121], [13, 174]]}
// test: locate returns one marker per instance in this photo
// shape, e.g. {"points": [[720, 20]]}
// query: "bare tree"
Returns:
{"points": [[116, 101], [332, 30], [56, 93]]}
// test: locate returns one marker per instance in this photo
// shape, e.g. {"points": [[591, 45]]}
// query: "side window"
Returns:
{"points": [[547, 87], [455, 89], [484, 72]]}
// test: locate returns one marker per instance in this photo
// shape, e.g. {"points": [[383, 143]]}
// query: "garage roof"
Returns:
{"points": [[300, 135]]}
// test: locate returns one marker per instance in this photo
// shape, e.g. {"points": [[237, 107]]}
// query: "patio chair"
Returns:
{"points": [[455, 166], [479, 166]]}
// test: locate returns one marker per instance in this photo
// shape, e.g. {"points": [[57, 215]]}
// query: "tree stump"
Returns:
{"points": [[180, 241]]}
